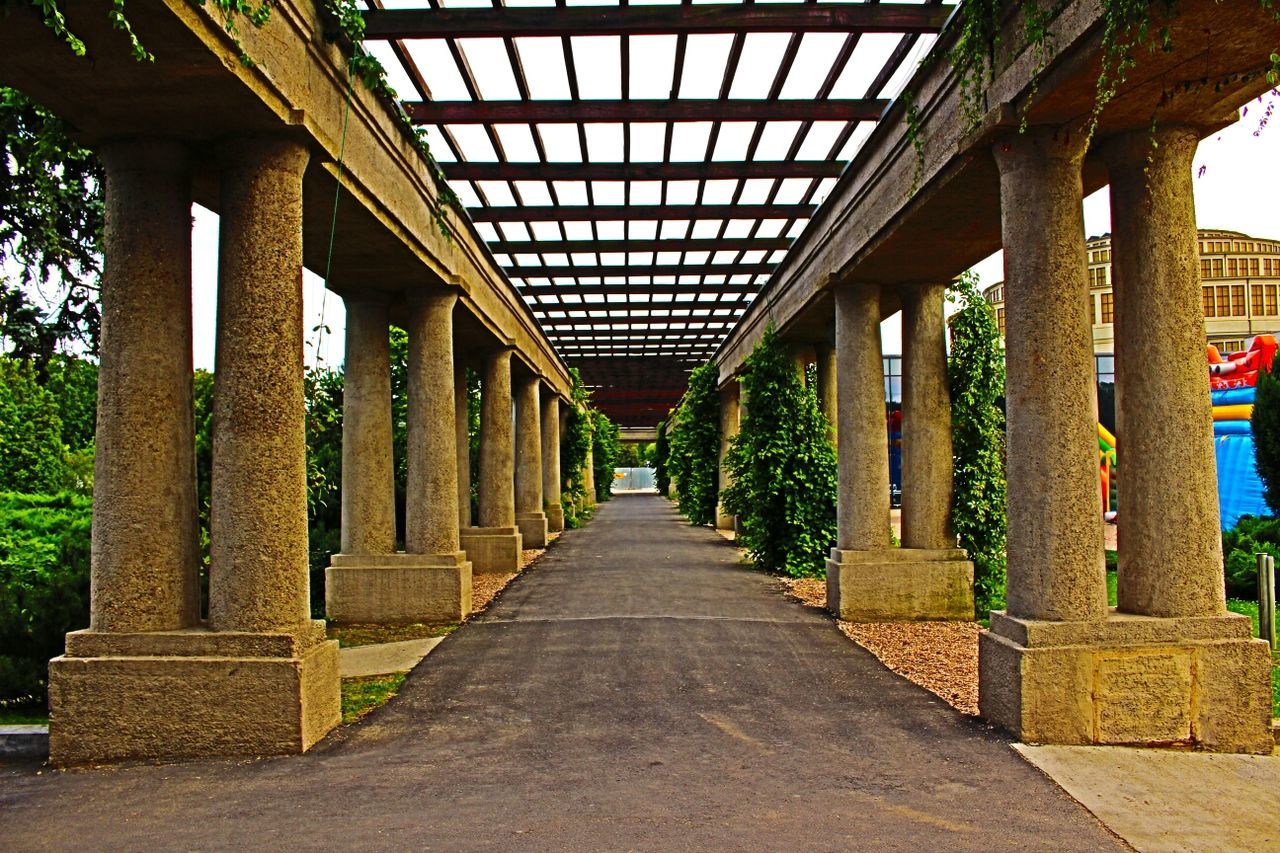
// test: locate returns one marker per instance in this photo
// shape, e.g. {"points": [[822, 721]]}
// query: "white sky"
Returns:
{"points": [[1240, 188]]}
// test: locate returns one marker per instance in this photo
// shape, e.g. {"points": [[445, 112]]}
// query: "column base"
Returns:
{"points": [[175, 695], [533, 528], [492, 550], [555, 518], [899, 584], [398, 589], [1135, 680], [725, 522]]}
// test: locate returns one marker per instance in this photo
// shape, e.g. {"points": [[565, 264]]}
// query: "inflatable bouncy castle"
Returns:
{"points": [[1233, 381]]}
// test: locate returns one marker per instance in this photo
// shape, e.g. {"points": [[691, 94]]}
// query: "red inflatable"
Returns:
{"points": [[1240, 369]]}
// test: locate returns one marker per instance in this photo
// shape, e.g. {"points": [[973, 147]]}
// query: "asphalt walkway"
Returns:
{"points": [[638, 689]]}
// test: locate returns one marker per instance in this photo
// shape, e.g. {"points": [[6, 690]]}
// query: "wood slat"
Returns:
{"points": [[676, 109], [632, 212]]}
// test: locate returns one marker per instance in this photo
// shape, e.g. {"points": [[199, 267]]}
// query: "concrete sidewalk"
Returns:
{"points": [[639, 690]]}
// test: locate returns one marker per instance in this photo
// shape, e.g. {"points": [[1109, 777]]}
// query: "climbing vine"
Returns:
{"points": [[606, 446], [694, 456], [975, 373], [785, 476], [661, 460], [575, 444]]}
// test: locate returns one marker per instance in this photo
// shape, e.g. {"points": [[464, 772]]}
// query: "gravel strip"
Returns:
{"points": [[942, 657]]}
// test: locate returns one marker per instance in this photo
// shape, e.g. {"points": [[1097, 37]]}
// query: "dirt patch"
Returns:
{"points": [[942, 657], [485, 588]]}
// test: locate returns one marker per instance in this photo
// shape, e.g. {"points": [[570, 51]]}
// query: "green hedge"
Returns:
{"points": [[44, 585]]}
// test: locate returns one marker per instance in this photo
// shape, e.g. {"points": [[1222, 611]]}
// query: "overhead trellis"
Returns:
{"points": [[639, 171]]}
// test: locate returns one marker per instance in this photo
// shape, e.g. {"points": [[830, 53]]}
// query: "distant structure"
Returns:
{"points": [[1240, 286]]}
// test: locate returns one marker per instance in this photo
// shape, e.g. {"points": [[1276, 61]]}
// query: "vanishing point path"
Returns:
{"points": [[637, 689]]}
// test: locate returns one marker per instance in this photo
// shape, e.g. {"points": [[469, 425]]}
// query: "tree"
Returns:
{"points": [[1266, 435], [605, 450], [661, 460], [30, 432], [785, 477], [695, 446], [975, 373]]}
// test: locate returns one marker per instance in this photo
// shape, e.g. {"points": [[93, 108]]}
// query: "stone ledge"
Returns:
{"points": [[899, 585], [492, 550], [421, 588], [533, 527], [24, 742], [195, 642], [398, 560], [1120, 629], [120, 708]]}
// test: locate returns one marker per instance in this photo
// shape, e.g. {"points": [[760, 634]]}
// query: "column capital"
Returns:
{"points": [[1041, 143]]}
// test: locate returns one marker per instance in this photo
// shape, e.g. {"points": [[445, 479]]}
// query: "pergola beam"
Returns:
{"points": [[678, 109], [569, 247], [508, 22], [642, 171], [527, 272], [695, 290], [634, 212]]}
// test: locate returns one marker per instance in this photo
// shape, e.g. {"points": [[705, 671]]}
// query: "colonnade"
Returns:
{"points": [[154, 678], [1169, 664]]}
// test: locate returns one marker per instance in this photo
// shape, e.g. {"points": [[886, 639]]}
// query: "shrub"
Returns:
{"points": [[30, 432], [44, 585], [605, 449], [661, 460], [975, 373], [1250, 536], [785, 476], [695, 446]]}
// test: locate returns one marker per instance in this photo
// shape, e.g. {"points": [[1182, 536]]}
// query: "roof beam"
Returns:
{"points": [[641, 171], [676, 109], [568, 247], [632, 212], [694, 290], [638, 270], [509, 22]]}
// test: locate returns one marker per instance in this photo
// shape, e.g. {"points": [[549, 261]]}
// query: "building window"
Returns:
{"points": [[1108, 307], [1000, 319], [1217, 267], [893, 379], [1271, 300], [1255, 300], [1254, 266], [1206, 298], [1224, 304], [1232, 269], [1204, 268], [1237, 301]]}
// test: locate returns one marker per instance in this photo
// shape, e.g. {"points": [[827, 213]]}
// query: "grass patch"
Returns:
{"points": [[362, 696], [23, 715], [368, 635]]}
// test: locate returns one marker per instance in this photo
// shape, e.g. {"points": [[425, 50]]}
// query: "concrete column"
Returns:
{"points": [[801, 354], [825, 357], [728, 429], [530, 518], [462, 417], [258, 576], [589, 474], [1171, 542], [867, 580], [153, 692], [551, 463], [368, 467], [926, 421], [495, 545], [430, 581], [431, 488], [1056, 568], [144, 561], [863, 504]]}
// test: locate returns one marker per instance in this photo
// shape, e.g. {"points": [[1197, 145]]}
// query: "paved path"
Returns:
{"points": [[636, 690]]}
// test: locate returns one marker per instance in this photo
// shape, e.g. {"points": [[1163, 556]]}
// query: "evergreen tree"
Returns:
{"points": [[785, 476], [30, 432]]}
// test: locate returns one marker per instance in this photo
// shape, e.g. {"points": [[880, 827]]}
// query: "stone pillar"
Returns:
{"points": [[1059, 667], [431, 580], [867, 580], [825, 358], [802, 355], [462, 418], [926, 421], [530, 518], [551, 464], [1171, 564], [589, 475], [495, 545], [728, 429], [368, 466], [262, 679]]}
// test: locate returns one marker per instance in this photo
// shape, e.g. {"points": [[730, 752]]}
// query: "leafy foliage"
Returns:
{"points": [[661, 460], [605, 448], [30, 432], [695, 446], [975, 372], [1266, 435], [785, 476], [1240, 544], [575, 444], [44, 585]]}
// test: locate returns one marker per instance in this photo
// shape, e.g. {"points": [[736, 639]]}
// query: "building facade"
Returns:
{"points": [[1240, 286]]}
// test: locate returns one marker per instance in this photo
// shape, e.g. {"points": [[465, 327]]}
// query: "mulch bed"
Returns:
{"points": [[942, 657]]}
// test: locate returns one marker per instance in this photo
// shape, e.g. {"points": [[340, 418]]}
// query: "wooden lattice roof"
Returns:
{"points": [[640, 170]]}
